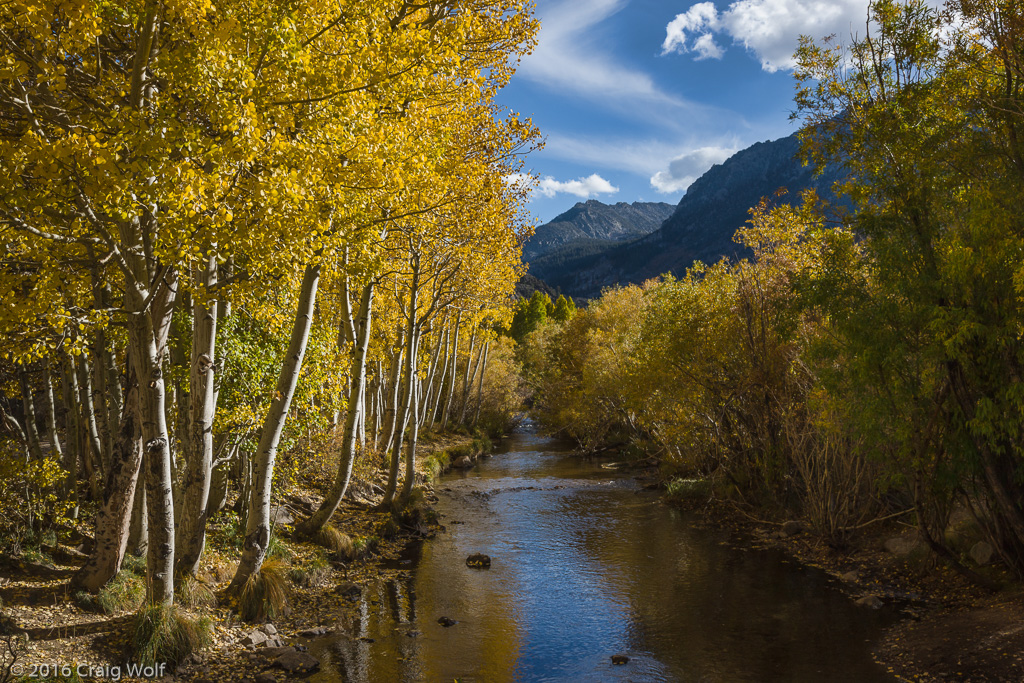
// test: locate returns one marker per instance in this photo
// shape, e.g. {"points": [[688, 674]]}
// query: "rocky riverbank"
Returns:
{"points": [[62, 636], [949, 628]]}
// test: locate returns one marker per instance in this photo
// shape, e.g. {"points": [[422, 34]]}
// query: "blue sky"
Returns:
{"points": [[637, 98]]}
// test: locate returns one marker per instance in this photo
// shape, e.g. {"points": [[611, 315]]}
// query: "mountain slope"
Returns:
{"points": [[702, 225], [594, 220]]}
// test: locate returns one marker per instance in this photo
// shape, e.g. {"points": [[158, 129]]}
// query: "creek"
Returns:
{"points": [[587, 564]]}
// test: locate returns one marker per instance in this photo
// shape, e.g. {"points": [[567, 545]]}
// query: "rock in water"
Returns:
{"points": [[348, 589], [314, 632], [620, 659], [478, 561], [872, 601], [446, 622], [463, 463], [297, 663]]}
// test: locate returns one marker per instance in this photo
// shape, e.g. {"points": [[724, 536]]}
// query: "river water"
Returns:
{"points": [[585, 565]]}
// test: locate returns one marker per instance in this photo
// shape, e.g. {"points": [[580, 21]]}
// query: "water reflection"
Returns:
{"points": [[584, 566]]}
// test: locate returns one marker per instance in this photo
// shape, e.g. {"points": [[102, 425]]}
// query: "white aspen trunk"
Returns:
{"points": [[29, 405], [435, 401], [88, 412], [465, 377], [98, 400], [469, 384], [378, 402], [452, 378], [138, 529], [51, 412], [178, 406], [257, 527], [220, 477], [191, 537], [480, 384], [361, 420], [82, 450], [147, 338], [114, 517], [410, 452], [348, 443], [391, 414], [70, 437], [402, 422]]}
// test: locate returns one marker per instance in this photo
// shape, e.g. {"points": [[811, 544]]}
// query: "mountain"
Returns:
{"points": [[700, 228], [594, 220]]}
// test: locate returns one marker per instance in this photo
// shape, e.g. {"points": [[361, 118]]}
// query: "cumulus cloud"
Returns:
{"points": [[707, 48], [686, 168], [770, 29], [592, 185]]}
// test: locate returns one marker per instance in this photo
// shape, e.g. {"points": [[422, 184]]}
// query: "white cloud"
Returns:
{"points": [[707, 48], [569, 56], [768, 28], [686, 168], [592, 185], [701, 16]]}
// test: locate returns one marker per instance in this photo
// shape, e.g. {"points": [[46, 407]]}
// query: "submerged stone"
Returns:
{"points": [[478, 561]]}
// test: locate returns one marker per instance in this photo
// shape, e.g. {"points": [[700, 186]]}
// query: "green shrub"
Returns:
{"points": [[136, 564], [688, 489], [313, 572], [437, 464], [482, 444], [278, 550], [226, 532], [366, 545], [125, 592], [161, 633]]}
